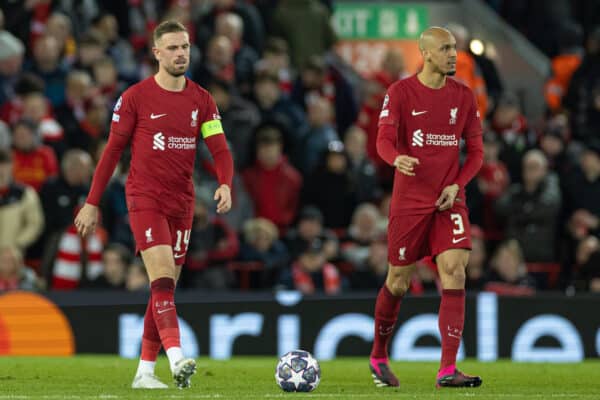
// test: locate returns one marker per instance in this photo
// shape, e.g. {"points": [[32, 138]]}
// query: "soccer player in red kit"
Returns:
{"points": [[422, 121], [161, 118]]}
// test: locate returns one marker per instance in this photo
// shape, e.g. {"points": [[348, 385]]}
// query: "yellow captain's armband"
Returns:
{"points": [[210, 128]]}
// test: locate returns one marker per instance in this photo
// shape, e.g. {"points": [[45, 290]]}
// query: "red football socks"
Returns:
{"points": [[150, 338], [165, 315], [386, 314], [451, 320]]}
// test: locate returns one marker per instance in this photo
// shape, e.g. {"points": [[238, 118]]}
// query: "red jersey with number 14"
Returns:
{"points": [[163, 126], [430, 124]]}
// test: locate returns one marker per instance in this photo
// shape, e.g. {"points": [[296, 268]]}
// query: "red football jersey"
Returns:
{"points": [[429, 124], [163, 126]]}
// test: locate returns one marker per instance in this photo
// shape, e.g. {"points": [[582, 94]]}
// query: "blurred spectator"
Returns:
{"points": [[476, 268], [47, 64], [5, 136], [12, 110], [21, 218], [392, 69], [11, 60], [317, 79], [582, 194], [361, 167], [212, 244], [311, 273], [588, 265], [245, 57], [531, 209], [276, 60], [253, 32], [92, 128], [137, 278], [260, 244], [276, 106], [60, 28], [91, 49], [306, 26], [72, 111], [119, 49], [493, 179], [272, 182], [467, 70], [508, 275], [511, 125], [331, 189], [33, 162], [553, 143], [564, 64], [583, 96], [308, 228], [36, 109], [373, 272], [74, 261], [106, 78], [114, 206], [320, 133], [14, 274], [60, 198], [115, 262], [239, 118], [218, 63], [363, 231]]}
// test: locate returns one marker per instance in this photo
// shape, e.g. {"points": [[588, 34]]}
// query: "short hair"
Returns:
{"points": [[168, 26], [276, 45], [5, 156]]}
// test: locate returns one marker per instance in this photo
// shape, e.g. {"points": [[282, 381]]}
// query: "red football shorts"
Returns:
{"points": [[151, 228], [412, 237]]}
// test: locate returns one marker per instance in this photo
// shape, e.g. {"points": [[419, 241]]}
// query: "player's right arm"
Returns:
{"points": [[122, 127], [387, 134]]}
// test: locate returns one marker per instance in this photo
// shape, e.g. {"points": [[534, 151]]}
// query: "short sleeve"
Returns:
{"points": [[210, 123], [124, 114], [390, 110], [473, 124]]}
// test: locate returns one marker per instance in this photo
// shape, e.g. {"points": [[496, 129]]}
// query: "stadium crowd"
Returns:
{"points": [[310, 194]]}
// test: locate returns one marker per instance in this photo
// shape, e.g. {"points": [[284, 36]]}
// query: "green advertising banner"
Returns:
{"points": [[359, 21]]}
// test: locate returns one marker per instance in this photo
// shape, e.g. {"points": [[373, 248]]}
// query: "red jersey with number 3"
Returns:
{"points": [[430, 124], [163, 127]]}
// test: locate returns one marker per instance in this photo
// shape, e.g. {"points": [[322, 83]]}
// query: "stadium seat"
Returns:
{"points": [[243, 271], [551, 271]]}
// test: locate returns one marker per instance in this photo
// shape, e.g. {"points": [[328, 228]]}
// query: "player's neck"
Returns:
{"points": [[432, 80], [169, 82]]}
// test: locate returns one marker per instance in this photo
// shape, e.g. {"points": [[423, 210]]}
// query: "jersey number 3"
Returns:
{"points": [[458, 222]]}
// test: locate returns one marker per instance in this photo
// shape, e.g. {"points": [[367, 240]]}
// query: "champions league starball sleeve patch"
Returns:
{"points": [[210, 128]]}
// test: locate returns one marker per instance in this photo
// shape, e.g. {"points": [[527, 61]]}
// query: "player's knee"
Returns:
{"points": [[398, 286], [455, 270]]}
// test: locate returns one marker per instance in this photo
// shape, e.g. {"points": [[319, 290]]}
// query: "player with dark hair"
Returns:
{"points": [[422, 121], [161, 117]]}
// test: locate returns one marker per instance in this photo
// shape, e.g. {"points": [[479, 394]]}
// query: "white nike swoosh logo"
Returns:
{"points": [[164, 310], [153, 116], [178, 255], [418, 112], [458, 240]]}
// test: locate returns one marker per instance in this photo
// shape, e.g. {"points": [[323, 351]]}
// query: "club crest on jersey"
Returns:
{"points": [[194, 118], [453, 112], [402, 254]]}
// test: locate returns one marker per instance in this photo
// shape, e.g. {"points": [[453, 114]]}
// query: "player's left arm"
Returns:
{"points": [[214, 137], [474, 145]]}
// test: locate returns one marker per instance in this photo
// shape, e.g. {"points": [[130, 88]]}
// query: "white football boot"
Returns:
{"points": [[182, 372], [147, 381]]}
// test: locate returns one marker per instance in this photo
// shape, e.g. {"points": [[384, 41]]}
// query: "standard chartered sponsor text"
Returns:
{"points": [[181, 143], [434, 139]]}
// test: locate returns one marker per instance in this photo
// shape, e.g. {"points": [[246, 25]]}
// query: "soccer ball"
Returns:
{"points": [[298, 371]]}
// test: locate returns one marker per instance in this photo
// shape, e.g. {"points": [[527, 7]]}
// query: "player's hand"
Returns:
{"points": [[447, 198], [406, 164], [86, 219], [223, 196]]}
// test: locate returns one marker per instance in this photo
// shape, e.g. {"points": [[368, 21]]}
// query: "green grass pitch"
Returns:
{"points": [[246, 378]]}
